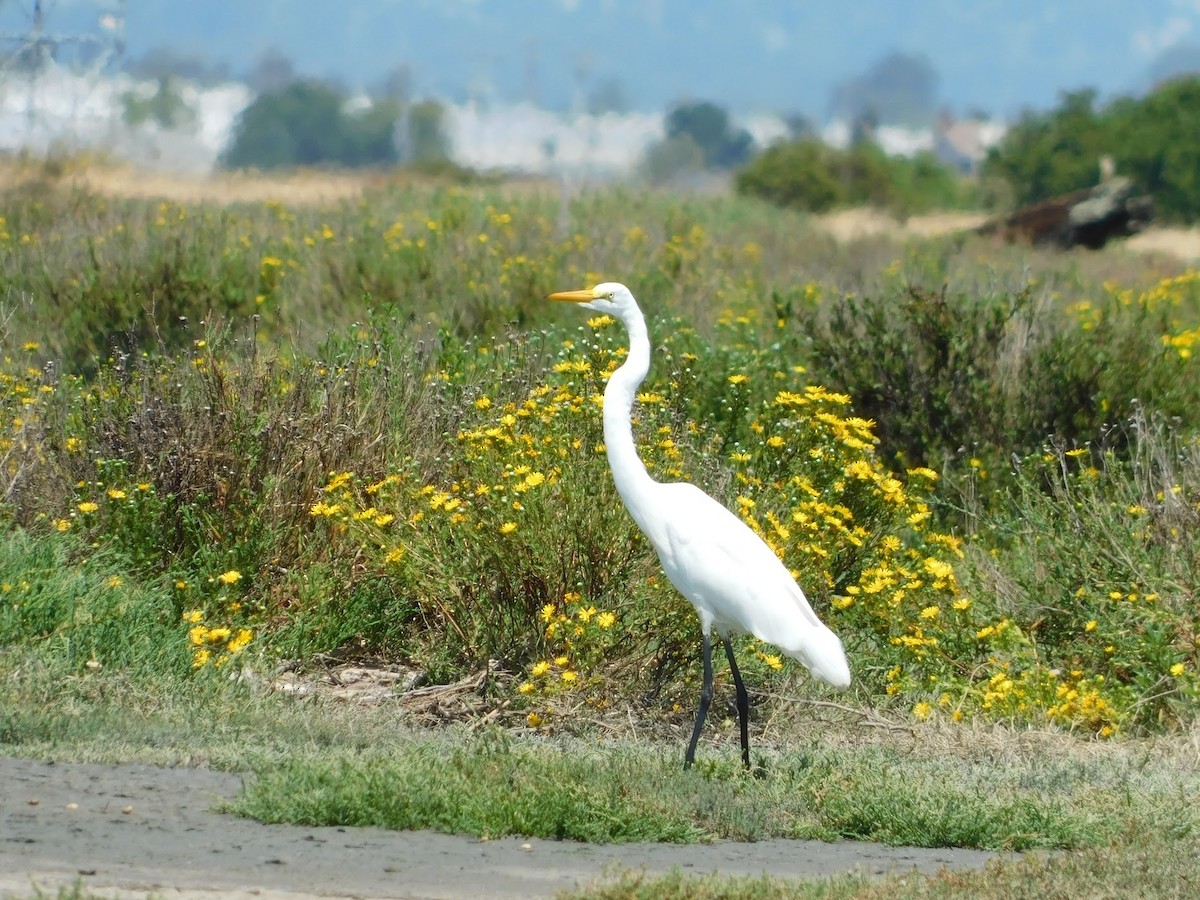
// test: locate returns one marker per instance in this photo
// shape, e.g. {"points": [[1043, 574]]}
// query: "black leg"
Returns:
{"points": [[706, 695], [743, 703]]}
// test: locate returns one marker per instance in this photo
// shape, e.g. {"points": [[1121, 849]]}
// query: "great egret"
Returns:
{"points": [[732, 578]]}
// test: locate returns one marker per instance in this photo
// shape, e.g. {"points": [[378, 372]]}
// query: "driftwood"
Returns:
{"points": [[1089, 218]]}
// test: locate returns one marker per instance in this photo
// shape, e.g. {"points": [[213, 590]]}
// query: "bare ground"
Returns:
{"points": [[856, 224], [137, 829]]}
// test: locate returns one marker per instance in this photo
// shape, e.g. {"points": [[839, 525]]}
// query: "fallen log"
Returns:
{"points": [[1088, 218]]}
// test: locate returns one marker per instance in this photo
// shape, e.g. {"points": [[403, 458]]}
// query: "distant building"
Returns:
{"points": [[964, 143]]}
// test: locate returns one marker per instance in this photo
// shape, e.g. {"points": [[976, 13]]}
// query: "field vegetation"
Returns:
{"points": [[246, 434]]}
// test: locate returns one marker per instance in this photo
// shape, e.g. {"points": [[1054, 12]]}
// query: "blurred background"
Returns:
{"points": [[682, 92]]}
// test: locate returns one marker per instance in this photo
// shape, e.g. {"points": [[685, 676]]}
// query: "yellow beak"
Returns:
{"points": [[572, 296]]}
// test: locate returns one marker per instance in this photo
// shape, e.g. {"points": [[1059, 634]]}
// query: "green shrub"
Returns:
{"points": [[987, 375], [810, 175], [1094, 564], [797, 174], [305, 123], [1151, 140]]}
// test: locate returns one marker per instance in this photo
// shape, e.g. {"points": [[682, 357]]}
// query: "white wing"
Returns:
{"points": [[735, 581]]}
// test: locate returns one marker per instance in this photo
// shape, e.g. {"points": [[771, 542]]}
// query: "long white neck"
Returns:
{"points": [[630, 475]]}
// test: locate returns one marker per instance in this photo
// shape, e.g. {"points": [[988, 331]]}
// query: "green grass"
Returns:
{"points": [[1146, 868], [76, 891], [501, 786]]}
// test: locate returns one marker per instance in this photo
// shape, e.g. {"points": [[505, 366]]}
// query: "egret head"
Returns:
{"points": [[608, 297]]}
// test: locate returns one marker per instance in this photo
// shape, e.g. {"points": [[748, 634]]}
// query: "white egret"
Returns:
{"points": [[727, 572]]}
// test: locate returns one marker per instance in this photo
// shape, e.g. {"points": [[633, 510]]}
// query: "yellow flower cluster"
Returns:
{"points": [[216, 644], [582, 633]]}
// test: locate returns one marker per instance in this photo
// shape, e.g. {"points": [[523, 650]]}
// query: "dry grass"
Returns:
{"points": [[311, 187], [295, 187]]}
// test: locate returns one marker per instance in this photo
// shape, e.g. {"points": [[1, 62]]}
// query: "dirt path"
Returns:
{"points": [[139, 829]]}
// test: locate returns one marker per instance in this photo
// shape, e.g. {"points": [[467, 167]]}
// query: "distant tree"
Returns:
{"points": [[799, 126], [810, 175], [1051, 153], [272, 72], [369, 135], [671, 159], [396, 85], [1152, 140], [420, 134], [305, 123], [864, 128], [708, 125], [900, 89], [165, 107]]}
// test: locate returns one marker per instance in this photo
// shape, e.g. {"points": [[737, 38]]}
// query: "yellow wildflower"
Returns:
{"points": [[240, 640]]}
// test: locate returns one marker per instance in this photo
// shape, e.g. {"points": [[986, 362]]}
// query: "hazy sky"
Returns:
{"points": [[780, 55]]}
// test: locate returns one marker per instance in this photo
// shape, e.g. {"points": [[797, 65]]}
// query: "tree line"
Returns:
{"points": [[1152, 140]]}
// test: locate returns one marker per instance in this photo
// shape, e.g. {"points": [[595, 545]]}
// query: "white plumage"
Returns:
{"points": [[732, 578]]}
